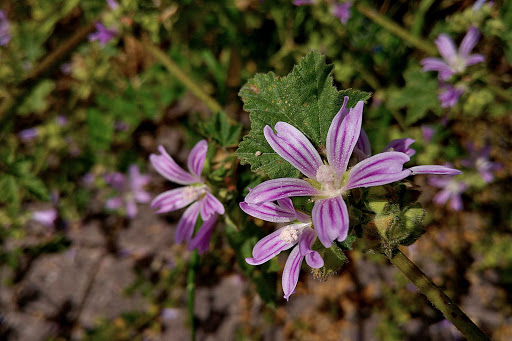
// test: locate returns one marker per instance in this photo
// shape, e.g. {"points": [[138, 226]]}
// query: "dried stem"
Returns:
{"points": [[438, 298]]}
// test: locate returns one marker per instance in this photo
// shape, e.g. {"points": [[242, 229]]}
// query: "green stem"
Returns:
{"points": [[191, 290], [173, 68], [438, 298], [396, 29]]}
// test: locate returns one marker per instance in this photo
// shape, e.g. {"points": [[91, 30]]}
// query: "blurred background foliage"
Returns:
{"points": [[73, 111]]}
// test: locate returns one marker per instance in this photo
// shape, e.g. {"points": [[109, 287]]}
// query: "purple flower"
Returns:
{"points": [[300, 232], [112, 4], [103, 35], [328, 183], [454, 62], [131, 192], [480, 160], [479, 3], [401, 145], [45, 217], [451, 191], [28, 135], [196, 193], [342, 11], [5, 29], [449, 95], [303, 2], [62, 120], [427, 132]]}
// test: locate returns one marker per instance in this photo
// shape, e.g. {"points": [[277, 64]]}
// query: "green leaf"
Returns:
{"points": [[36, 101], [306, 99], [219, 128], [100, 129], [419, 96], [9, 190], [35, 186]]}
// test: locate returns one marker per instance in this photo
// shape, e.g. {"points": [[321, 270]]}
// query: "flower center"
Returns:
{"points": [[453, 187], [289, 235], [331, 185], [482, 164], [193, 193], [458, 64]]}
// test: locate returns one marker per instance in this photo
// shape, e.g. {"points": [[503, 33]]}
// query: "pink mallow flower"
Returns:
{"points": [[479, 159], [449, 95], [103, 35], [454, 62], [451, 191], [298, 235], [196, 192], [131, 190], [329, 182]]}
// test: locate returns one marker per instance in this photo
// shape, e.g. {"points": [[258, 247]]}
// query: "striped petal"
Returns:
{"points": [[210, 205], [342, 137], [313, 258], [446, 47], [401, 145], [434, 169], [201, 240], [330, 219], [174, 199], [270, 246], [293, 146], [363, 146], [469, 42], [169, 169], [276, 189], [196, 158], [269, 212], [380, 169], [474, 59], [187, 223], [291, 272]]}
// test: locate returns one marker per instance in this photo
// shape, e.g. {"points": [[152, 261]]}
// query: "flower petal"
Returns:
{"points": [[469, 42], [330, 219], [201, 240], [474, 59], [446, 47], [269, 247], [291, 272], [401, 145], [434, 169], [276, 189], [313, 258], [196, 158], [363, 145], [436, 64], [268, 211], [131, 208], [209, 205], [293, 146], [377, 170], [173, 200], [169, 169], [114, 203], [342, 137], [187, 223]]}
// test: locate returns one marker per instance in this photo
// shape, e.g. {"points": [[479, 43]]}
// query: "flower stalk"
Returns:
{"points": [[437, 297]]}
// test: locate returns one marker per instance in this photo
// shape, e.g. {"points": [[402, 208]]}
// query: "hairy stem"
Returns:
{"points": [[437, 297], [191, 291], [396, 29], [173, 68]]}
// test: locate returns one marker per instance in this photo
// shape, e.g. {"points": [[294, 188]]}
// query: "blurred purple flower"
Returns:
{"points": [[285, 238], [66, 68], [112, 4], [479, 159], [328, 183], [45, 217], [451, 190], [449, 95], [303, 2], [29, 134], [196, 193], [5, 29], [427, 132], [62, 120], [131, 191], [103, 35], [454, 62], [479, 3], [342, 11], [169, 314]]}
